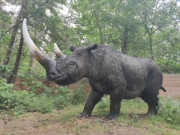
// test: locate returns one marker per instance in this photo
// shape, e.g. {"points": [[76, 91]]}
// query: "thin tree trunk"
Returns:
{"points": [[31, 64], [104, 29], [150, 33], [99, 26], [12, 77], [124, 44], [100, 34], [13, 36], [100, 30], [150, 45]]}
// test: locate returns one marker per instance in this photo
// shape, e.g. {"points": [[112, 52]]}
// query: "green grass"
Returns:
{"points": [[131, 116]]}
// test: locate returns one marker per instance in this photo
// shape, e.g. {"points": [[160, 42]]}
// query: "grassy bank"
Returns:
{"points": [[131, 120]]}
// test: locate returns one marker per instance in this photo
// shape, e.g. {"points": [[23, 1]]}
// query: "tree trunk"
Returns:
{"points": [[13, 36], [100, 34], [100, 30], [16, 65], [99, 26], [150, 45], [31, 64], [12, 77], [124, 44]]}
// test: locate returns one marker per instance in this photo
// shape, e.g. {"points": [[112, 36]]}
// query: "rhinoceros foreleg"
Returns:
{"points": [[115, 98], [92, 100]]}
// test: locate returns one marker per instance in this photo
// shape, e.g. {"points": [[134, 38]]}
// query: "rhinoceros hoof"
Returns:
{"points": [[112, 117], [84, 115]]}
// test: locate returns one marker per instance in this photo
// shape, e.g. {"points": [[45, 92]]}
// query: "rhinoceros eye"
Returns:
{"points": [[71, 65], [79, 54]]}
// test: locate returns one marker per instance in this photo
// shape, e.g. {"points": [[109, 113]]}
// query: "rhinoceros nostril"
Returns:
{"points": [[53, 74]]}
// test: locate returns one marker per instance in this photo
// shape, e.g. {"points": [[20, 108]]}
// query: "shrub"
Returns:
{"points": [[78, 96], [170, 109], [35, 85], [4, 71], [17, 102], [69, 97], [63, 99], [169, 66], [104, 103]]}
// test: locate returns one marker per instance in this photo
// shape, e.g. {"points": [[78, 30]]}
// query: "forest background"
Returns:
{"points": [[140, 28]]}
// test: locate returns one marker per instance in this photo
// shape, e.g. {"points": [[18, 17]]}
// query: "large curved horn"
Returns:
{"points": [[58, 52], [43, 59]]}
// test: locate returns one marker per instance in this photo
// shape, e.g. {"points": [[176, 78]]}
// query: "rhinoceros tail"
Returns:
{"points": [[162, 88]]}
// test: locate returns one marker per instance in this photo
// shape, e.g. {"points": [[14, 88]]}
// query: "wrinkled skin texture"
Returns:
{"points": [[110, 72]]}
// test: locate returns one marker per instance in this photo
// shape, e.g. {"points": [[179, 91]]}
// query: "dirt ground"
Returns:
{"points": [[52, 123], [35, 124]]}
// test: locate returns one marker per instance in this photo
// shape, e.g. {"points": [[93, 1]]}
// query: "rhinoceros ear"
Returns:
{"points": [[92, 47], [72, 48]]}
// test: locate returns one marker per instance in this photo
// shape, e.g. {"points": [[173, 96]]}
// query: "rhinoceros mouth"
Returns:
{"points": [[60, 78], [64, 79]]}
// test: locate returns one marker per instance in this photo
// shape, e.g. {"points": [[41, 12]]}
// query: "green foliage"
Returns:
{"points": [[17, 102], [4, 86], [4, 36], [169, 66], [170, 110], [4, 70], [78, 96], [64, 98], [68, 97], [40, 98], [104, 103], [35, 85], [89, 20]]}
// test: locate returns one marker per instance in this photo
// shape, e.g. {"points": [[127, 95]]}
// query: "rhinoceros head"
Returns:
{"points": [[65, 69]]}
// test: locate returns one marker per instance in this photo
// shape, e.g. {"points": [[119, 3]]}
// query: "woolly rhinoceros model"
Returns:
{"points": [[108, 71]]}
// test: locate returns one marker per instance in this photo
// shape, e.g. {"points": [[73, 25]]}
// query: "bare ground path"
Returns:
{"points": [[63, 122]]}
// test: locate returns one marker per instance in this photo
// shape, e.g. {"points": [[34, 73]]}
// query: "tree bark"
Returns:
{"points": [[13, 36], [124, 44], [150, 32], [100, 34], [14, 33], [31, 64], [12, 77], [99, 26], [150, 45]]}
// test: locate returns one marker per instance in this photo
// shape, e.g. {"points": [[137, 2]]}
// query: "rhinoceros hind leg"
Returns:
{"points": [[152, 100]]}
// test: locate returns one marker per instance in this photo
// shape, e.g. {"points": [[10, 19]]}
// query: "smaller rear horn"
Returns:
{"points": [[58, 52]]}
